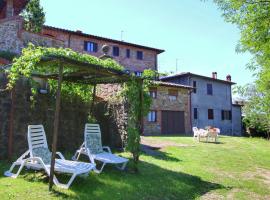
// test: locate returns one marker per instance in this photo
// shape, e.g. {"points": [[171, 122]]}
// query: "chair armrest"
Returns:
{"points": [[60, 155], [107, 148]]}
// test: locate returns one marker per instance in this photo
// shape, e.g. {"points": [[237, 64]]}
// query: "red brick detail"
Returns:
{"points": [[4, 61], [18, 6]]}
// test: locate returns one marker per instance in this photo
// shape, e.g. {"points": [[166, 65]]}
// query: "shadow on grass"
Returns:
{"points": [[210, 142], [152, 182], [156, 153]]}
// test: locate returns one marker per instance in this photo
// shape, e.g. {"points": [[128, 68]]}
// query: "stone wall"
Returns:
{"points": [[73, 117], [13, 38], [118, 111], [9, 35], [163, 103], [5, 105], [40, 40]]}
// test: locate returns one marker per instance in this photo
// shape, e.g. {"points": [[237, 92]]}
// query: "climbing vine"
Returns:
{"points": [[136, 93], [30, 62]]}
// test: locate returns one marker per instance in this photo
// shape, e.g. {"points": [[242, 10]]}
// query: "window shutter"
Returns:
{"points": [[230, 115], [85, 45], [95, 47], [222, 115]]}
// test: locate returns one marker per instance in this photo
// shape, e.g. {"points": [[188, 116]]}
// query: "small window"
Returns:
{"points": [[195, 87], [153, 93], [173, 94], [210, 114], [195, 113], [226, 115], [116, 51], [152, 116], [138, 74], [209, 89], [128, 53], [139, 55], [90, 46]]}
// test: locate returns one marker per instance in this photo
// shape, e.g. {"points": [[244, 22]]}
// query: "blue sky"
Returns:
{"points": [[191, 31]]}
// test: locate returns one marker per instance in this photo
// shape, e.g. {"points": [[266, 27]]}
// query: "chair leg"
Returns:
{"points": [[98, 171], [123, 166], [76, 156], [12, 175], [64, 186]]}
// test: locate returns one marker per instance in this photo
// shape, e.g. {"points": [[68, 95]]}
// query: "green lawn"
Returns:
{"points": [[236, 168]]}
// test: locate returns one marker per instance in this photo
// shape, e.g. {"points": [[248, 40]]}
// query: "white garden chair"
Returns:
{"points": [[209, 133], [196, 133], [92, 147], [38, 157]]}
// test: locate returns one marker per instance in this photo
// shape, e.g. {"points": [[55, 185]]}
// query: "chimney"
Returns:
{"points": [[229, 78], [214, 75], [79, 31], [10, 9]]}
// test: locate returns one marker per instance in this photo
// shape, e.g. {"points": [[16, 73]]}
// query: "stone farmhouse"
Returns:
{"points": [[170, 111], [211, 102]]}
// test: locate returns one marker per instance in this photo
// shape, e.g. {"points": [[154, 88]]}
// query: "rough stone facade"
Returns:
{"points": [[163, 103], [118, 112], [9, 35], [13, 38]]}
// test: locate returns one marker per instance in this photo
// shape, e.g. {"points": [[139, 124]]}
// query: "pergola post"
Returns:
{"points": [[140, 120], [56, 124], [93, 99], [11, 125]]}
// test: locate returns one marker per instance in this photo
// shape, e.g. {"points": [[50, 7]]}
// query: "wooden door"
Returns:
{"points": [[173, 122]]}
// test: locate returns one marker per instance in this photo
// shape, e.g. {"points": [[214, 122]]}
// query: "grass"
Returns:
{"points": [[236, 168]]}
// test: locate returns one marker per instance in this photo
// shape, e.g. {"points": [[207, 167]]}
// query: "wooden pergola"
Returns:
{"points": [[81, 73]]}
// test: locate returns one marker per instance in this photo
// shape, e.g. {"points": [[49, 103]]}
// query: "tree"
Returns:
{"points": [[34, 16], [253, 19], [255, 117]]}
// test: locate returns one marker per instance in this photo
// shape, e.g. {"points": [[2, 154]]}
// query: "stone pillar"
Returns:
{"points": [[10, 9]]}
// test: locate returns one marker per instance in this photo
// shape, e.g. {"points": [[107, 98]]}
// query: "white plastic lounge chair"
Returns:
{"points": [[92, 147], [38, 157]]}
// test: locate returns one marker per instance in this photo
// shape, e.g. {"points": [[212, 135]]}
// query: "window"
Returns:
{"points": [[173, 94], [116, 51], [128, 53], [152, 116], [209, 89], [226, 115], [139, 74], [210, 114], [195, 113], [139, 55], [195, 85], [90, 46], [153, 93]]}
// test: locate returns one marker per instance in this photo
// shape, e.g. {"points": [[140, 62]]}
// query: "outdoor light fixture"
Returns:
{"points": [[43, 85]]}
